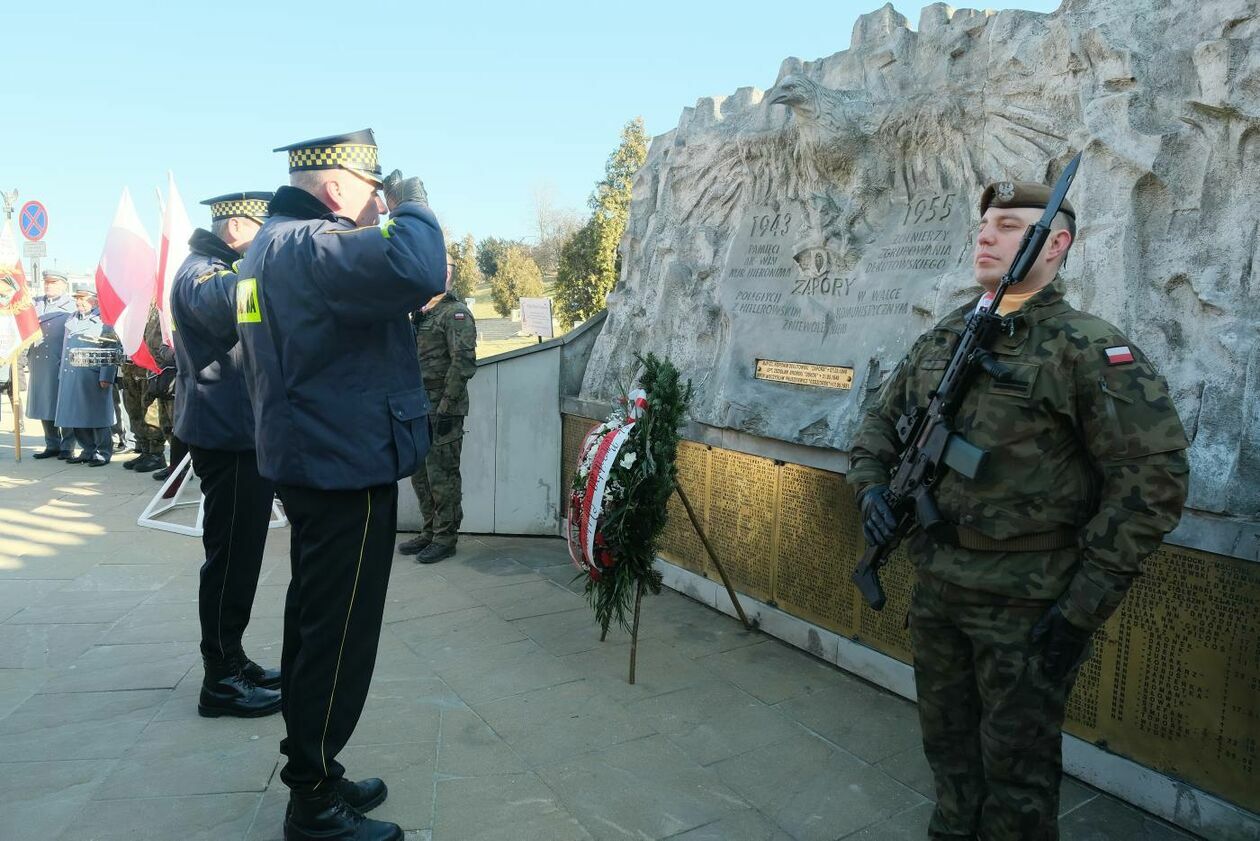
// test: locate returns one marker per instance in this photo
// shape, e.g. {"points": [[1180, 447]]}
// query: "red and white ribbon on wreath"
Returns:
{"points": [[587, 504]]}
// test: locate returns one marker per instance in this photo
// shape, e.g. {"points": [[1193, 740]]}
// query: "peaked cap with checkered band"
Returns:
{"points": [[355, 151], [252, 205]]}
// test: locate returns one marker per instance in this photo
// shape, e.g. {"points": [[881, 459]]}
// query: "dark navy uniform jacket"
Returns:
{"points": [[320, 308], [212, 409]]}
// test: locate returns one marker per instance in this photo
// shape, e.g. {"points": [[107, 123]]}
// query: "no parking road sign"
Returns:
{"points": [[33, 220]]}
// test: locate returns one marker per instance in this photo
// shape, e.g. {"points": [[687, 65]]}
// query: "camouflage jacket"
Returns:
{"points": [[446, 341], [1083, 442]]}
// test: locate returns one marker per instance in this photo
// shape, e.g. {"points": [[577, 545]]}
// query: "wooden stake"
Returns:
{"points": [[15, 402], [634, 631], [730, 590]]}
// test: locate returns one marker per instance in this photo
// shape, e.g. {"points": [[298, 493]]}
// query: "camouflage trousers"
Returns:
{"points": [[148, 436], [437, 484], [991, 719]]}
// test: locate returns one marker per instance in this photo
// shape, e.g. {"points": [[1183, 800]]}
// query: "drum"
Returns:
{"points": [[95, 357]]}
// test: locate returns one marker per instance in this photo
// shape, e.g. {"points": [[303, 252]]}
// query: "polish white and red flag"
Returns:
{"points": [[126, 280], [172, 251]]}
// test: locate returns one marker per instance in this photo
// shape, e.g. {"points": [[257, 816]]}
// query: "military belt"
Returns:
{"points": [[1043, 542]]}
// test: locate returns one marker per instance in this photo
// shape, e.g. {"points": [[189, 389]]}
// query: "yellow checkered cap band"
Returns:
{"points": [[350, 155], [238, 207]]}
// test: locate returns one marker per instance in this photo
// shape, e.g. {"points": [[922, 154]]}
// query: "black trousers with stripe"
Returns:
{"points": [[238, 510], [341, 553]]}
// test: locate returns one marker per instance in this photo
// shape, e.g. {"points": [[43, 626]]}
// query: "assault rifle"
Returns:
{"points": [[929, 442]]}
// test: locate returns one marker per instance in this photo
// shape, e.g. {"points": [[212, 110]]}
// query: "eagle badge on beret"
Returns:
{"points": [[1005, 191]]}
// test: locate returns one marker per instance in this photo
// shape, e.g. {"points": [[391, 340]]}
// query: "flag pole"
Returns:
{"points": [[15, 402]]}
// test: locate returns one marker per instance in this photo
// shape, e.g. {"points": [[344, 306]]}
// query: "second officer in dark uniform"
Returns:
{"points": [[320, 304], [213, 416]]}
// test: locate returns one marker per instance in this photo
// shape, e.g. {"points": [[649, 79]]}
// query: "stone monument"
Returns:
{"points": [[786, 246]]}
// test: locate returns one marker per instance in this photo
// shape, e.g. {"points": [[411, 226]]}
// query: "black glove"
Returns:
{"points": [[1061, 643], [398, 190], [879, 522]]}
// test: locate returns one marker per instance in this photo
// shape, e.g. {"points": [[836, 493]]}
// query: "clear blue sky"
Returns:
{"points": [[485, 101]]}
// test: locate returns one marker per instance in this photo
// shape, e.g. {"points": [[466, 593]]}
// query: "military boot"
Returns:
{"points": [[325, 816], [434, 552], [147, 463], [365, 795], [225, 690], [415, 545], [266, 678]]}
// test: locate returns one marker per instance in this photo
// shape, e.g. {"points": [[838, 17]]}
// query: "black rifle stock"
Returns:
{"points": [[929, 443]]}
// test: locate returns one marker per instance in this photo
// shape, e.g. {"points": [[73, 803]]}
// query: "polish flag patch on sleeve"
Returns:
{"points": [[459, 316], [1119, 355]]}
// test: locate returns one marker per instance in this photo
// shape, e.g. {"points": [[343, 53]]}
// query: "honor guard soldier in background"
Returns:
{"points": [[321, 304], [84, 401], [213, 416], [54, 307], [160, 392], [149, 442], [446, 341], [1086, 474]]}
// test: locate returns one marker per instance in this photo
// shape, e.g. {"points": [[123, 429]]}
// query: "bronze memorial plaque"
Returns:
{"points": [[741, 518], [815, 552], [679, 542], [804, 373]]}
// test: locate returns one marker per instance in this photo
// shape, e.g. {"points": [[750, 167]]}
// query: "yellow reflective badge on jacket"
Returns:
{"points": [[247, 309]]}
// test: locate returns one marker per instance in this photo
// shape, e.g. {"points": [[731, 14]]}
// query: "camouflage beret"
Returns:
{"points": [[1020, 194]]}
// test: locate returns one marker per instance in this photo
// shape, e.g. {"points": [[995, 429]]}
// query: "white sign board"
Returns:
{"points": [[35, 249], [536, 317]]}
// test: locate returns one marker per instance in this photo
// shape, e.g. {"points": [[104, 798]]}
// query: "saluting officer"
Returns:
{"points": [[213, 416], [446, 341], [1088, 473], [84, 402], [321, 303], [54, 307]]}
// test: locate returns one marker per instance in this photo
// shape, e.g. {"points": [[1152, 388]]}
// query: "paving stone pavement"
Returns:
{"points": [[495, 714]]}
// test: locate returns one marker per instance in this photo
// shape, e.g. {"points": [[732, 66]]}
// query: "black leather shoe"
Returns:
{"points": [[325, 816], [44, 454], [98, 460], [434, 553], [76, 460], [148, 462], [228, 692], [65, 454], [163, 474], [131, 465], [365, 795], [414, 546], [266, 678]]}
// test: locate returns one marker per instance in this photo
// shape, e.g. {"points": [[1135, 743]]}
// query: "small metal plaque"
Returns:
{"points": [[804, 373]]}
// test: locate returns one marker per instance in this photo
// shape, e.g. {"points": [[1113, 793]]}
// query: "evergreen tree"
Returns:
{"points": [[489, 251], [518, 277], [467, 275], [590, 261]]}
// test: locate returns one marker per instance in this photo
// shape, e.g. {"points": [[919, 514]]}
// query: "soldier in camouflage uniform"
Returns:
{"points": [[149, 441], [1087, 473], [161, 391], [446, 340]]}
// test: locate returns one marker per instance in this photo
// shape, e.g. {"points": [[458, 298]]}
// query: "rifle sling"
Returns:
{"points": [[1043, 542]]}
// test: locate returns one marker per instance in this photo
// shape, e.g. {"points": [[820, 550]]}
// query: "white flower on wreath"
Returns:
{"points": [[628, 460]]}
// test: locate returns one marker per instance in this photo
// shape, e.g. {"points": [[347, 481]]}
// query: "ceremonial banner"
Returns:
{"points": [[173, 249], [19, 324], [126, 280]]}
